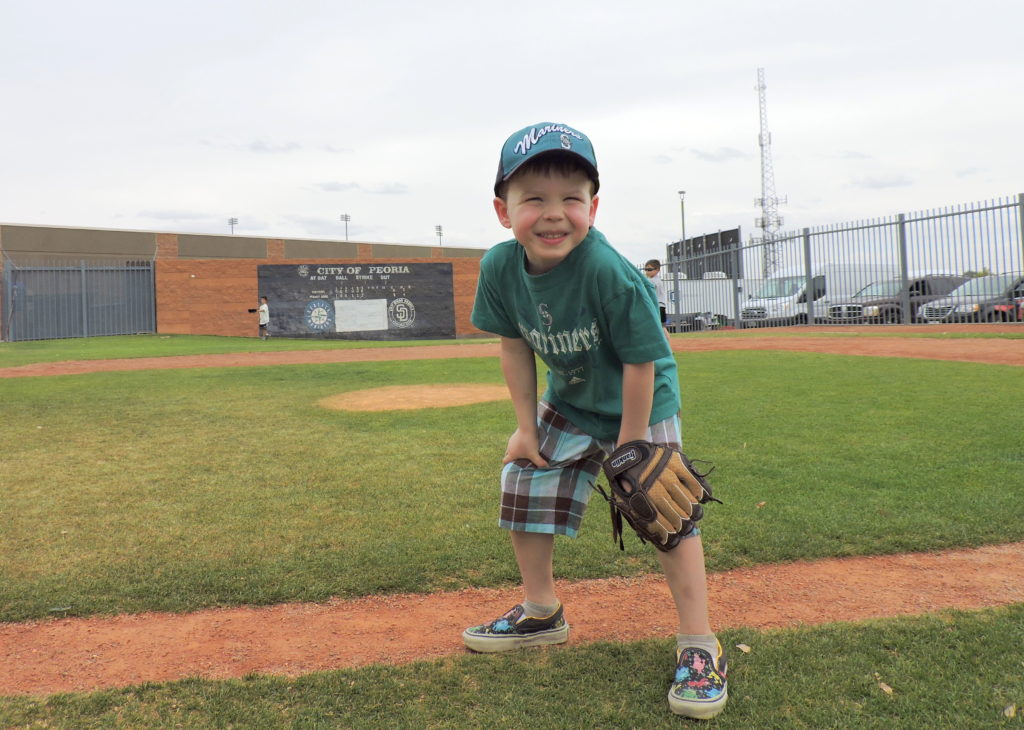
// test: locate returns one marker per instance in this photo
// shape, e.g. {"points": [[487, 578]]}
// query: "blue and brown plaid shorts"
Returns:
{"points": [[553, 499]]}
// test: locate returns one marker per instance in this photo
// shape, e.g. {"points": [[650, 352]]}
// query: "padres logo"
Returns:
{"points": [[401, 313]]}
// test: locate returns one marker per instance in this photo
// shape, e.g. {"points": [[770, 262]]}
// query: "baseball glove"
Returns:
{"points": [[658, 492]]}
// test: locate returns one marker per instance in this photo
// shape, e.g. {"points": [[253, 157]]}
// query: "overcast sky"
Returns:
{"points": [[175, 116]]}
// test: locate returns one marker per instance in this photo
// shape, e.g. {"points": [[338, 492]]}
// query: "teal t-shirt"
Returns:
{"points": [[584, 318]]}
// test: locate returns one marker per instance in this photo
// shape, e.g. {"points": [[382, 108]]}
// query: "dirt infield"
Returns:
{"points": [[42, 657], [996, 351], [66, 655]]}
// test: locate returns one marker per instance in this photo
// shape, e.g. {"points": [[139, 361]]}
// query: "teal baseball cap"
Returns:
{"points": [[545, 137]]}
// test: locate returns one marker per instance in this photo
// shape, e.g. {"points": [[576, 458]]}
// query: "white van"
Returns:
{"points": [[783, 299]]}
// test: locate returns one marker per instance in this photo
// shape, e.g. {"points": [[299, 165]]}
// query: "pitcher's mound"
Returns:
{"points": [[410, 397]]}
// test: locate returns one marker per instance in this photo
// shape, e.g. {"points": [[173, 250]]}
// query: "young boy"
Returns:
{"points": [[560, 291], [264, 311]]}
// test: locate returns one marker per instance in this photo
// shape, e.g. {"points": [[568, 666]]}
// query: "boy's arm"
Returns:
{"points": [[520, 369], [637, 400]]}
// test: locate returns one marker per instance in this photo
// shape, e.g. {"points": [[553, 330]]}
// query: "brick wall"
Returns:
{"points": [[212, 297]]}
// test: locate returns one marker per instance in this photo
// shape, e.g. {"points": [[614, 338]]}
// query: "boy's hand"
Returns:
{"points": [[657, 490], [524, 445]]}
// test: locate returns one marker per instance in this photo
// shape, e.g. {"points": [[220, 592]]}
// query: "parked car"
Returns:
{"points": [[982, 299], [692, 322], [881, 301], [1014, 311], [782, 300]]}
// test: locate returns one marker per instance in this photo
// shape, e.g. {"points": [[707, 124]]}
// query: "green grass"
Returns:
{"points": [[131, 346], [936, 332], [951, 670], [176, 490]]}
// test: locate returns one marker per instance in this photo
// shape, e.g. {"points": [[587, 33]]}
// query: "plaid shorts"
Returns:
{"points": [[553, 499]]}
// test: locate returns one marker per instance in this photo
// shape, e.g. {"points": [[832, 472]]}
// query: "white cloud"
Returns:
{"points": [[875, 182]]}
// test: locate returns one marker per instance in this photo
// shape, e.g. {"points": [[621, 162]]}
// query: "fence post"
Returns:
{"points": [[85, 300], [808, 275], [1020, 227], [901, 236], [8, 308], [736, 280]]}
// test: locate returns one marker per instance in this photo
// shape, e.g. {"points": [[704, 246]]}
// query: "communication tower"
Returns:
{"points": [[770, 221]]}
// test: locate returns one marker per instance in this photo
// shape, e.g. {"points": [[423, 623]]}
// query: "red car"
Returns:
{"points": [[1012, 312]]}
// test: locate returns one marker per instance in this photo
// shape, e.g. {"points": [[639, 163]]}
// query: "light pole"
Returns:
{"points": [[439, 231], [678, 273], [682, 211], [345, 218], [232, 222]]}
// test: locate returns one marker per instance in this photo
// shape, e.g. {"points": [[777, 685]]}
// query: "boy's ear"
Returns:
{"points": [[501, 208], [593, 209]]}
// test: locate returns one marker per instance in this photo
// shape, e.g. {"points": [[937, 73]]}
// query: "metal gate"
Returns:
{"points": [[58, 297]]}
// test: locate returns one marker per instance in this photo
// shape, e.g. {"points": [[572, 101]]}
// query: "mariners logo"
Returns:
{"points": [[545, 315], [565, 142], [319, 315], [401, 313]]}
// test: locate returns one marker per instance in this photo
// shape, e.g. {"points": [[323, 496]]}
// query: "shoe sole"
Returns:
{"points": [[491, 644], [696, 709]]}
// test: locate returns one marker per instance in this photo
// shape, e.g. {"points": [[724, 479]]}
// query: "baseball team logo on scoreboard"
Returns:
{"points": [[319, 315], [401, 313]]}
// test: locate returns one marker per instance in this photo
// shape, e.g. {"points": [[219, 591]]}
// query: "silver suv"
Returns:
{"points": [[983, 299]]}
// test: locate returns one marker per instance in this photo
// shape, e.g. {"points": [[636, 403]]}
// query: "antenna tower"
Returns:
{"points": [[770, 221]]}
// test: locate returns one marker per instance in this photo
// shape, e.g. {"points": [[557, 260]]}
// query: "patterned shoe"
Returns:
{"points": [[515, 629], [699, 689]]}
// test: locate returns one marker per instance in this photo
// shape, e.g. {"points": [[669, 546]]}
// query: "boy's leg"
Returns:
{"points": [[535, 556], [699, 686], [686, 578], [536, 504], [539, 619]]}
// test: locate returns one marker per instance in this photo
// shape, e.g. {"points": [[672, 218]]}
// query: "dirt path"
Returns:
{"points": [[996, 351], [60, 655], [290, 639]]}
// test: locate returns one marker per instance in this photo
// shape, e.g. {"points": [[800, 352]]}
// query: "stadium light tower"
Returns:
{"points": [[345, 218], [770, 221], [232, 222], [439, 231]]}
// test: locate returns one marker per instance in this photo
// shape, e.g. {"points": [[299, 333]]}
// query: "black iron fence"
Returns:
{"points": [[958, 264]]}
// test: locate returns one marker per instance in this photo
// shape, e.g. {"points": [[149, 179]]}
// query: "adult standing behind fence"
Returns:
{"points": [[653, 270]]}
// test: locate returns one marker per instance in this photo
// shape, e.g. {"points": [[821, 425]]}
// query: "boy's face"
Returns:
{"points": [[548, 215], [651, 271]]}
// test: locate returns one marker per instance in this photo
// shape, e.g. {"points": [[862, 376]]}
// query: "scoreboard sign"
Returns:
{"points": [[359, 301]]}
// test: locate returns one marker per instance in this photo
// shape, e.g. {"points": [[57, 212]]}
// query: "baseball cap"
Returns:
{"points": [[538, 139]]}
